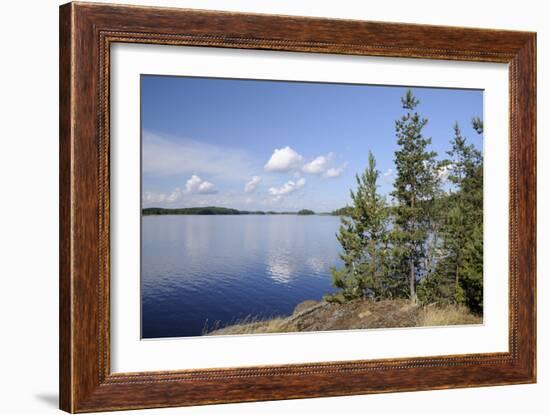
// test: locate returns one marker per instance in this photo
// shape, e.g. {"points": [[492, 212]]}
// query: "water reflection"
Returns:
{"points": [[223, 268], [279, 269]]}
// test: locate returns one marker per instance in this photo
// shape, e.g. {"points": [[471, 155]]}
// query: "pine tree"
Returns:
{"points": [[472, 268], [456, 226], [415, 191], [463, 217], [435, 287], [362, 235], [472, 271]]}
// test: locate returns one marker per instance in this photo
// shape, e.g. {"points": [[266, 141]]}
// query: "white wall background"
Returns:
{"points": [[29, 207]]}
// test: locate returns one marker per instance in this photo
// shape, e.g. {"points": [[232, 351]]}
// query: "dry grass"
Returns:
{"points": [[449, 315], [361, 314], [253, 325]]}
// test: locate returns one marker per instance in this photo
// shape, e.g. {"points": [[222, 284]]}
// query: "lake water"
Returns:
{"points": [[199, 270]]}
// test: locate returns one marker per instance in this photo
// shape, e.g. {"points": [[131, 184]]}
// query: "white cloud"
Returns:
{"points": [[196, 185], [206, 187], [174, 196], [334, 172], [180, 198], [288, 187], [168, 156], [252, 184], [321, 166], [151, 198], [283, 160], [318, 165]]}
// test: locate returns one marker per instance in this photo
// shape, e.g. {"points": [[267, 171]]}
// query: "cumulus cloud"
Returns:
{"points": [[252, 184], [196, 185], [321, 166], [318, 165], [333, 172], [288, 187], [283, 160]]}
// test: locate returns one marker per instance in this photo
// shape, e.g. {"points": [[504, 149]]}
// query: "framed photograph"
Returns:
{"points": [[258, 207]]}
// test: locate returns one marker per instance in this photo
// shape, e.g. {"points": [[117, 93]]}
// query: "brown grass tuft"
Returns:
{"points": [[449, 315], [254, 325]]}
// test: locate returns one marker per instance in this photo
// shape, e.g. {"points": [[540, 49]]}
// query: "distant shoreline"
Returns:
{"points": [[216, 210]]}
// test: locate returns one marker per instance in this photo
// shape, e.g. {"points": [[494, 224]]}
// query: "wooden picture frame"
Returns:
{"points": [[86, 33]]}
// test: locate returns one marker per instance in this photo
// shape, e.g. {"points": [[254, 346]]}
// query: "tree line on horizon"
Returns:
{"points": [[426, 244], [216, 210]]}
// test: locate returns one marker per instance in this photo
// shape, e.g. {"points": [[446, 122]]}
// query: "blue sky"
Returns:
{"points": [[275, 145]]}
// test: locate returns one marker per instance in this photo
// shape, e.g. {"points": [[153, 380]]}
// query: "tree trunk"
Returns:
{"points": [[412, 277], [412, 281]]}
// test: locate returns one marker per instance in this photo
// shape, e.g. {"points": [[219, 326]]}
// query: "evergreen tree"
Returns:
{"points": [[435, 287], [455, 233], [472, 271], [415, 191], [463, 219], [472, 267], [362, 235]]}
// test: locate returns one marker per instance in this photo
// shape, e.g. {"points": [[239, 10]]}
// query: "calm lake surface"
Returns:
{"points": [[201, 271]]}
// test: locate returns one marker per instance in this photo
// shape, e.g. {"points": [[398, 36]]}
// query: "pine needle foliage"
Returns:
{"points": [[363, 236]]}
